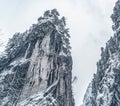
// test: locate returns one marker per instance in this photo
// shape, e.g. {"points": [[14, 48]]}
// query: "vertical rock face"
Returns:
{"points": [[104, 90], [35, 69]]}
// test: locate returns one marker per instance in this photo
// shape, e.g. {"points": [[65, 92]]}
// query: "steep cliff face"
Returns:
{"points": [[104, 90], [35, 69]]}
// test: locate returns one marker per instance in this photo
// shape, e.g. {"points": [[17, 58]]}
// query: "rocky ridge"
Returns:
{"points": [[104, 90]]}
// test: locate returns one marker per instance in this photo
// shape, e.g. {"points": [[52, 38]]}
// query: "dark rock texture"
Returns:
{"points": [[35, 69]]}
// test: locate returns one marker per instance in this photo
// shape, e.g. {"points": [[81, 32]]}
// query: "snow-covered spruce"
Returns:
{"points": [[35, 69], [104, 89]]}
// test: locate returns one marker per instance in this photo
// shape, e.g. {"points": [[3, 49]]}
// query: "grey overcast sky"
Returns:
{"points": [[90, 27]]}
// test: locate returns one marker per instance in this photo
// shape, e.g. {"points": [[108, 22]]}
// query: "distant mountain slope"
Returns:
{"points": [[2, 46]]}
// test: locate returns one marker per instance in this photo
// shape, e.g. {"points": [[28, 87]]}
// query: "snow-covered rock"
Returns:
{"points": [[36, 68], [104, 90]]}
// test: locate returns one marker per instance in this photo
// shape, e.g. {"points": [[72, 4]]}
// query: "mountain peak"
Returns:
{"points": [[37, 67]]}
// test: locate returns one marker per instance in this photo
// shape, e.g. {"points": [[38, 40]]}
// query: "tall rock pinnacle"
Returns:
{"points": [[36, 68]]}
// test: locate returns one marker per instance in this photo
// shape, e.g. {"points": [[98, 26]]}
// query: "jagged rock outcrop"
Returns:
{"points": [[35, 69], [104, 90]]}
